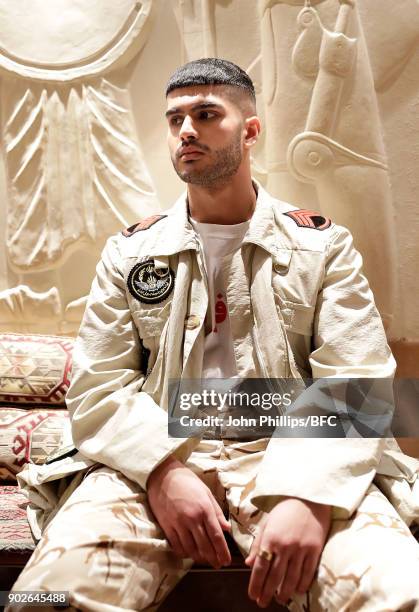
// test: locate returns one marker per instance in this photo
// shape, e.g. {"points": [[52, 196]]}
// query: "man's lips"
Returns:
{"points": [[190, 153]]}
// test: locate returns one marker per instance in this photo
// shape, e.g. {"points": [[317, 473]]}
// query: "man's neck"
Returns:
{"points": [[225, 204]]}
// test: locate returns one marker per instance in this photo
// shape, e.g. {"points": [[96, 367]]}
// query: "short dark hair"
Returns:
{"points": [[211, 71]]}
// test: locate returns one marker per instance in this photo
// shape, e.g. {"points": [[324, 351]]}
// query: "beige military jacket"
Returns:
{"points": [[299, 305]]}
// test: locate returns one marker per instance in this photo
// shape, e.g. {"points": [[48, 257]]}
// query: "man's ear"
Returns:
{"points": [[252, 130]]}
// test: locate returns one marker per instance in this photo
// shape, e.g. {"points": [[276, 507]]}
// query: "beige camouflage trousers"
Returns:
{"points": [[105, 547]]}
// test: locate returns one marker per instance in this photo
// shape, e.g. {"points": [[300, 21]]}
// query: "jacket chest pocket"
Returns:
{"points": [[296, 280], [151, 324], [298, 318]]}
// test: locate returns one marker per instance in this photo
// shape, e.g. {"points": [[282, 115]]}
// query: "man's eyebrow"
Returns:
{"points": [[202, 105]]}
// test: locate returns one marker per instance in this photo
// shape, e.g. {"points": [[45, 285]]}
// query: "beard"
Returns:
{"points": [[224, 163]]}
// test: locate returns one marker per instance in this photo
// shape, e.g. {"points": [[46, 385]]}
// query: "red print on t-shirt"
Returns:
{"points": [[220, 310]]}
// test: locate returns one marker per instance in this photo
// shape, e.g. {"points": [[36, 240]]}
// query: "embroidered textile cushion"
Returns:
{"points": [[15, 534], [29, 436], [34, 369]]}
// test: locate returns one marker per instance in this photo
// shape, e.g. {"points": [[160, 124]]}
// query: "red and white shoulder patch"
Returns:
{"points": [[309, 218], [142, 225]]}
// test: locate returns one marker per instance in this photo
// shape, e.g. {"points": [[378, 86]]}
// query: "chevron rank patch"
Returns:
{"points": [[142, 225], [309, 218], [150, 285]]}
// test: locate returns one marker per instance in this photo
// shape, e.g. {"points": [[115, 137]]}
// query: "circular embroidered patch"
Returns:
{"points": [[150, 285]]}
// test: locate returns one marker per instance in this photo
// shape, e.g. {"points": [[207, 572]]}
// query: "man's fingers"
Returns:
{"points": [[260, 570], [251, 556], [255, 546], [204, 545], [216, 537], [225, 524], [175, 543], [274, 577], [188, 543], [250, 559], [307, 573], [292, 577]]}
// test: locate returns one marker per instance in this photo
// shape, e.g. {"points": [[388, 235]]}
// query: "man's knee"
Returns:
{"points": [[94, 577], [102, 576], [385, 583]]}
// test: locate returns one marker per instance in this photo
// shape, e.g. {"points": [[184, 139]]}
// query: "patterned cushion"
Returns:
{"points": [[29, 436], [15, 534], [34, 369]]}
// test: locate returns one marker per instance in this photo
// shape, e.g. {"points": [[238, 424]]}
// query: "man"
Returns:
{"points": [[229, 282]]}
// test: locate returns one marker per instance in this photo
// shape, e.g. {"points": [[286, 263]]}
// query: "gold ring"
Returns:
{"points": [[265, 554]]}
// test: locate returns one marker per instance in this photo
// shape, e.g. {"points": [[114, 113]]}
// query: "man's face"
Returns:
{"points": [[205, 136]]}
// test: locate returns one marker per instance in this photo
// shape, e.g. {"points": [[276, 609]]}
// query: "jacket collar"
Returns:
{"points": [[175, 233], [263, 228]]}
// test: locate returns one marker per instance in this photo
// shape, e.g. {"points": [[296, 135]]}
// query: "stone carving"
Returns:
{"points": [[313, 152], [324, 138], [75, 171], [23, 310], [398, 29], [197, 28], [63, 40]]}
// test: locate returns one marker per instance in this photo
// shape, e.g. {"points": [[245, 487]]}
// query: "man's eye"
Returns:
{"points": [[176, 120], [207, 115]]}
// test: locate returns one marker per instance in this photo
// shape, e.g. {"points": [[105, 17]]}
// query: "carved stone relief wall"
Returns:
{"points": [[315, 60], [84, 139], [74, 167]]}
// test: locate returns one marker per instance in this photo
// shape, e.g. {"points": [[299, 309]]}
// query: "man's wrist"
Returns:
{"points": [[309, 503], [162, 468]]}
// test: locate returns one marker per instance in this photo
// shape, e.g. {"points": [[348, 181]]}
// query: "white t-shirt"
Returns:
{"points": [[218, 241]]}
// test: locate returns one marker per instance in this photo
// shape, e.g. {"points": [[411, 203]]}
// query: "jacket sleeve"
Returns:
{"points": [[113, 421], [348, 342]]}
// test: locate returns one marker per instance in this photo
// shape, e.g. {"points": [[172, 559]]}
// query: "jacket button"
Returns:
{"points": [[192, 322], [280, 268]]}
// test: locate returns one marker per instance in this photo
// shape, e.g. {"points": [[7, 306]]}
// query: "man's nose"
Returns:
{"points": [[188, 129]]}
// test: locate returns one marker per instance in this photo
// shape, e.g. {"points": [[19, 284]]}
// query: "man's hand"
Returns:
{"points": [[295, 532], [188, 513]]}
